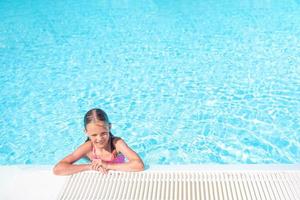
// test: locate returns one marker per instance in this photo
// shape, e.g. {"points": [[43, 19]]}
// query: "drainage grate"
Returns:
{"points": [[210, 185]]}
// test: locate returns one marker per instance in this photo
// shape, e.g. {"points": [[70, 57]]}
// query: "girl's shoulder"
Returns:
{"points": [[117, 140], [80, 152], [86, 147], [118, 143], [87, 143]]}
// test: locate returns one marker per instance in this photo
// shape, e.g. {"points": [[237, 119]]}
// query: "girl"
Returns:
{"points": [[104, 150]]}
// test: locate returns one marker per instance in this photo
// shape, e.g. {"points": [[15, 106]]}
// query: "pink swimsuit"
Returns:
{"points": [[118, 158]]}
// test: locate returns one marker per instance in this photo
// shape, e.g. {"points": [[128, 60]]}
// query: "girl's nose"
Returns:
{"points": [[98, 137]]}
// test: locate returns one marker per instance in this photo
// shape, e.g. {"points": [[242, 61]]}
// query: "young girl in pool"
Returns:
{"points": [[105, 151]]}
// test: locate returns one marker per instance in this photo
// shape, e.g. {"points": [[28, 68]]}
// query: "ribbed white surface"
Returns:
{"points": [[204, 185]]}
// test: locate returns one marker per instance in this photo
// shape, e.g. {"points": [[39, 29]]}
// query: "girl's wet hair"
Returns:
{"points": [[95, 115]]}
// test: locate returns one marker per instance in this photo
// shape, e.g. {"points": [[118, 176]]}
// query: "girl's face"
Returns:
{"points": [[98, 133]]}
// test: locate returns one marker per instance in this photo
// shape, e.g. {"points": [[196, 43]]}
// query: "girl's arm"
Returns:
{"points": [[66, 166], [134, 163]]}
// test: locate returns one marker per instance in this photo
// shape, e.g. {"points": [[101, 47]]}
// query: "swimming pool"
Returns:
{"points": [[182, 82]]}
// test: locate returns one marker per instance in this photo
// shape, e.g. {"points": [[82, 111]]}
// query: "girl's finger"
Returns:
{"points": [[100, 170], [95, 166], [103, 170]]}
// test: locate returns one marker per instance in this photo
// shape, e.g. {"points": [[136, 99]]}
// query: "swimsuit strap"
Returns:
{"points": [[94, 152]]}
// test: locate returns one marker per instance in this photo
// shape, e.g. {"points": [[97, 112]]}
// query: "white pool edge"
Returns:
{"points": [[38, 182], [226, 167]]}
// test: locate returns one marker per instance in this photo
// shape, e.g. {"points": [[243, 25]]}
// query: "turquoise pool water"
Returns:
{"points": [[182, 81]]}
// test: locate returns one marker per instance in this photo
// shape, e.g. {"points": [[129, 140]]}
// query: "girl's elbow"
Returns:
{"points": [[140, 167], [57, 170]]}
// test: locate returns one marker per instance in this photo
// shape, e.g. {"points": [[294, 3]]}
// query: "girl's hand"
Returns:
{"points": [[102, 170], [98, 165], [104, 167]]}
